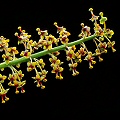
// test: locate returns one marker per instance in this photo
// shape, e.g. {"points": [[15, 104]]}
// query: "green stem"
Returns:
{"points": [[45, 52]]}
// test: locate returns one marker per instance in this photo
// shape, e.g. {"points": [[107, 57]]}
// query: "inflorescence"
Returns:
{"points": [[46, 42]]}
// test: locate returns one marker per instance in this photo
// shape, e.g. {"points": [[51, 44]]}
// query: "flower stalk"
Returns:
{"points": [[45, 52]]}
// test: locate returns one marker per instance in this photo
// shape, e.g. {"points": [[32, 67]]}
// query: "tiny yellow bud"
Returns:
{"points": [[55, 23], [16, 92], [101, 14], [57, 77], [90, 67], [105, 51], [41, 61], [42, 87], [29, 36], [6, 99], [113, 50], [80, 60], [37, 29], [58, 61], [90, 9], [93, 62], [3, 101], [82, 24], [38, 85], [19, 27], [77, 72], [61, 77], [74, 74]]}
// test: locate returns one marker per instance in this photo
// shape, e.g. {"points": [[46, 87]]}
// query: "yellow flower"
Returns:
{"points": [[12, 50], [25, 53], [20, 75], [31, 66], [2, 78]]}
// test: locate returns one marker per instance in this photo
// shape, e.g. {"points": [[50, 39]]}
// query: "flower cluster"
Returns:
{"points": [[40, 76], [3, 93], [9, 55], [85, 31], [46, 41], [63, 34], [101, 33], [24, 39], [15, 79], [9, 52], [70, 56], [55, 64]]}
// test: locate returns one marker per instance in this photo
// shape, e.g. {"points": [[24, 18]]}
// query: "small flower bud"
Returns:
{"points": [[42, 87]]}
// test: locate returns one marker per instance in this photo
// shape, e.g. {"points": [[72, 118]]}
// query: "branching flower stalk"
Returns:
{"points": [[46, 43]]}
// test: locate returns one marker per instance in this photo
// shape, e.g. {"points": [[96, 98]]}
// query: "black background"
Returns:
{"points": [[92, 91]]}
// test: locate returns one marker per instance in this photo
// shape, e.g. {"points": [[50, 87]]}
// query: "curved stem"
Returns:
{"points": [[45, 52]]}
